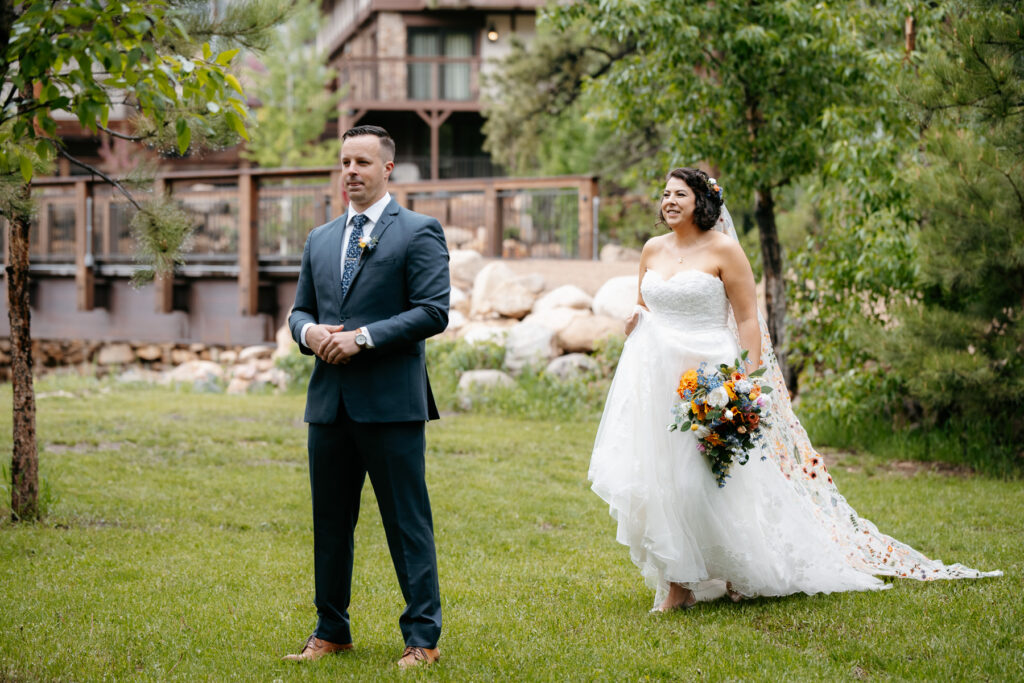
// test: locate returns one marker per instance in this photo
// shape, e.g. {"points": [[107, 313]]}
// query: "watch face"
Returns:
{"points": [[360, 340]]}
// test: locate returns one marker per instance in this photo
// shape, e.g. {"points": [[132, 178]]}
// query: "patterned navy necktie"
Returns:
{"points": [[352, 253]]}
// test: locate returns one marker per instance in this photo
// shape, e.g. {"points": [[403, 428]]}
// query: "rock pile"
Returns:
{"points": [[536, 326]]}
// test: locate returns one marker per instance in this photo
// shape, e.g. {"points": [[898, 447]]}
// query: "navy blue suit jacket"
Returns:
{"points": [[400, 293]]}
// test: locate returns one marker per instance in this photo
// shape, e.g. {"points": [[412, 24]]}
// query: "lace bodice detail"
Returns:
{"points": [[690, 299]]}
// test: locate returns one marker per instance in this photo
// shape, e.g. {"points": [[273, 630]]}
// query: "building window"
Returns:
{"points": [[452, 79]]}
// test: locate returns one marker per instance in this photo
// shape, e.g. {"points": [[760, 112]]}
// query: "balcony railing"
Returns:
{"points": [[253, 223], [376, 82]]}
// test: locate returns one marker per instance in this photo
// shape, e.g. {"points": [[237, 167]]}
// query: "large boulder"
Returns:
{"points": [[532, 281], [255, 352], [555, 319], [583, 331], [529, 344], [116, 354], [198, 373], [499, 290], [475, 382], [572, 365], [458, 300], [566, 296], [465, 265], [478, 333], [285, 343], [149, 352], [456, 321], [613, 253], [617, 297]]}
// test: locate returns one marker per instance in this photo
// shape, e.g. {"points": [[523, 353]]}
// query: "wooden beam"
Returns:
{"points": [[587, 207], [248, 244], [338, 204], [85, 282], [492, 222], [164, 284]]}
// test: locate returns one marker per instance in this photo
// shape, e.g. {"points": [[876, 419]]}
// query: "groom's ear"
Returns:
{"points": [[389, 166]]}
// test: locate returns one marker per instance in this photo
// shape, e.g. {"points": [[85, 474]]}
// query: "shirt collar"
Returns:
{"points": [[373, 213]]}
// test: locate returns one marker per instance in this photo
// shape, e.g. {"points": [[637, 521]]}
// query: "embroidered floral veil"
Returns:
{"points": [[788, 446]]}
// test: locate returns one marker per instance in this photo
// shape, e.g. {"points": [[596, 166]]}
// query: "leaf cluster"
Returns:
{"points": [[749, 87]]}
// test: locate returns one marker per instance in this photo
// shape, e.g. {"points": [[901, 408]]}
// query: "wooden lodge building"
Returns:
{"points": [[416, 67]]}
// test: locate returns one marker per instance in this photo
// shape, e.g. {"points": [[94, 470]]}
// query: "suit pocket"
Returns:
{"points": [[380, 263]]}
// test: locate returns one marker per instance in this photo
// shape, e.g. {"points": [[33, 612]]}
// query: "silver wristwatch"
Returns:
{"points": [[361, 340]]}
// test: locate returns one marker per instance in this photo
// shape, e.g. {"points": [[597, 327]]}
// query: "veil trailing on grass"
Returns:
{"points": [[786, 444]]}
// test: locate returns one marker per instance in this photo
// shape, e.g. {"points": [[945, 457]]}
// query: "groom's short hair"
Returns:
{"points": [[387, 145]]}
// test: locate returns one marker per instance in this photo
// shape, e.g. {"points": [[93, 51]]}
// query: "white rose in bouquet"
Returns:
{"points": [[718, 398], [701, 431], [744, 386]]}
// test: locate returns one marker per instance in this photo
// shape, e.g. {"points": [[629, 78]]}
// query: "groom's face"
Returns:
{"points": [[364, 170]]}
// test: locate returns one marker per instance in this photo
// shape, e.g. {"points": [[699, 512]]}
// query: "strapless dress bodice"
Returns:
{"points": [[688, 300]]}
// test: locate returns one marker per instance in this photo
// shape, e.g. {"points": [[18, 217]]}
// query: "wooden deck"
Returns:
{"points": [[238, 282]]}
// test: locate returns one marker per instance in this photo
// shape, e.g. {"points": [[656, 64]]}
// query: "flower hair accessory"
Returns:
{"points": [[714, 188]]}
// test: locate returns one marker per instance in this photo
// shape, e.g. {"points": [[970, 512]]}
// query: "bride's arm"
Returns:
{"points": [[740, 288], [634, 317]]}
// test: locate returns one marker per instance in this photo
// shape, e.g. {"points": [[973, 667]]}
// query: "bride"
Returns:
{"points": [[779, 526]]}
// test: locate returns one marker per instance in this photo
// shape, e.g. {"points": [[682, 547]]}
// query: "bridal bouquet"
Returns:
{"points": [[725, 409]]}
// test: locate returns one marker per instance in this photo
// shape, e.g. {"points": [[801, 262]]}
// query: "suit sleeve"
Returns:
{"points": [[304, 310], [428, 286]]}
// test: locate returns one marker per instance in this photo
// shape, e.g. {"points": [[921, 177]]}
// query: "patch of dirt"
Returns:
{"points": [[83, 447], [851, 461]]}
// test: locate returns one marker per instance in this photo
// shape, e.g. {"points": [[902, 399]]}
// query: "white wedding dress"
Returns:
{"points": [[778, 526]]}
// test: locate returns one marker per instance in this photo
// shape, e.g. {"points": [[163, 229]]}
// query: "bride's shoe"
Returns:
{"points": [[686, 603], [734, 595]]}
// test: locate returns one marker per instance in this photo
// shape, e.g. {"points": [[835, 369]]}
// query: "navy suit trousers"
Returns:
{"points": [[341, 454]]}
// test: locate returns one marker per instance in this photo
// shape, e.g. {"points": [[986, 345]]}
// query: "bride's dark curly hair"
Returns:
{"points": [[708, 203]]}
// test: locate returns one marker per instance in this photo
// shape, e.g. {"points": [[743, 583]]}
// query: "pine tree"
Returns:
{"points": [[959, 347]]}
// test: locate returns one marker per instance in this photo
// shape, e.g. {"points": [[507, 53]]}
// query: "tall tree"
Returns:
{"points": [[168, 65], [747, 86], [294, 102], [962, 336]]}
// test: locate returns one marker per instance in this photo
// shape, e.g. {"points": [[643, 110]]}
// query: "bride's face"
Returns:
{"points": [[677, 203]]}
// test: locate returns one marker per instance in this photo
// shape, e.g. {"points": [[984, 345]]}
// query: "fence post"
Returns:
{"points": [[587, 192], [85, 281], [248, 244], [338, 205], [492, 222], [164, 283]]}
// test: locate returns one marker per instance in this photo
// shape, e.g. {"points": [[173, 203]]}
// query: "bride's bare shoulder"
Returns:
{"points": [[655, 244], [726, 246]]}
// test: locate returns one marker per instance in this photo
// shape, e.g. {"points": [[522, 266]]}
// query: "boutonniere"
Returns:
{"points": [[367, 245]]}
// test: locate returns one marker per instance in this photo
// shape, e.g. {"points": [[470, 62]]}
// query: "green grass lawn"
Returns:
{"points": [[178, 546]]}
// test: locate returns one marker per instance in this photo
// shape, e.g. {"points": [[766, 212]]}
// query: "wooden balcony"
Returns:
{"points": [[411, 83], [238, 279]]}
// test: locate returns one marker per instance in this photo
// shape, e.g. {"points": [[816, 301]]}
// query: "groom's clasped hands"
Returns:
{"points": [[332, 343]]}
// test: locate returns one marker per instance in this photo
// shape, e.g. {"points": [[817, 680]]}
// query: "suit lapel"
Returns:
{"points": [[386, 219]]}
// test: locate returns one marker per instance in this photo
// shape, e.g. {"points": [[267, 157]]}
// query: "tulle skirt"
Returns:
{"points": [[757, 532]]}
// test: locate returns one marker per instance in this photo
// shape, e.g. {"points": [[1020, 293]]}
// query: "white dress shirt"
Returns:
{"points": [[373, 214]]}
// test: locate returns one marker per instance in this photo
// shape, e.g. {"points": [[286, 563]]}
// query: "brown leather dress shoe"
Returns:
{"points": [[316, 648], [418, 656]]}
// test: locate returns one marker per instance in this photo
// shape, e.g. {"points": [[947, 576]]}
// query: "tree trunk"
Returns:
{"points": [[24, 459], [774, 285]]}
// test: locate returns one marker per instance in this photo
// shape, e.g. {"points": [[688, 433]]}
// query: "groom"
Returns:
{"points": [[372, 287]]}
